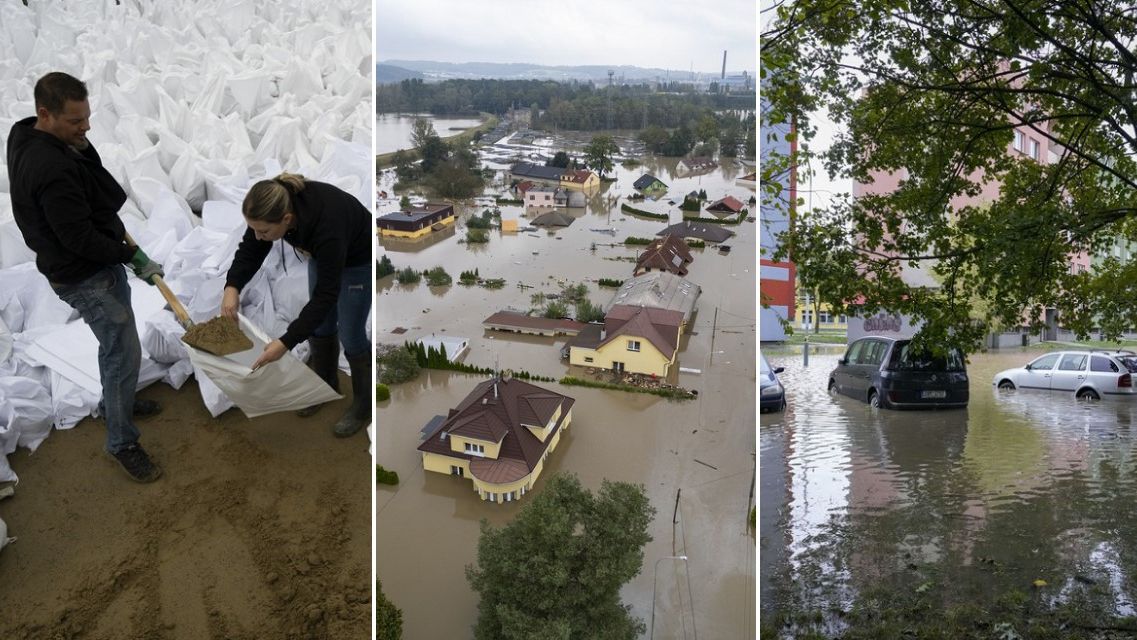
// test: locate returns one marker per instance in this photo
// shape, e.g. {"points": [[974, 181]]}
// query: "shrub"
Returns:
{"points": [[588, 312], [384, 267], [395, 364], [477, 236], [678, 394], [696, 244], [480, 222], [637, 241], [610, 282], [408, 276], [468, 277], [643, 214], [493, 283], [556, 310], [383, 476], [437, 277], [382, 392]]}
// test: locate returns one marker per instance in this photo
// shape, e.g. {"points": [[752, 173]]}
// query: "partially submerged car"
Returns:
{"points": [[771, 393], [1088, 375], [889, 373]]}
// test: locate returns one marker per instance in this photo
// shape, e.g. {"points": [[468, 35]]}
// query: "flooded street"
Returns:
{"points": [[696, 459], [971, 504]]}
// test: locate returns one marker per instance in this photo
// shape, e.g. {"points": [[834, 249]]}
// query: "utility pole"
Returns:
{"points": [[610, 74]]}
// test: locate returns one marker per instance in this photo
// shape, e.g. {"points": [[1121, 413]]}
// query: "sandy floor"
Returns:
{"points": [[257, 529]]}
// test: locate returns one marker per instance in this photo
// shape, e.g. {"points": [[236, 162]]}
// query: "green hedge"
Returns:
{"points": [[501, 200], [637, 240], [739, 219], [645, 214], [431, 358], [677, 394], [610, 282], [383, 476], [382, 392]]}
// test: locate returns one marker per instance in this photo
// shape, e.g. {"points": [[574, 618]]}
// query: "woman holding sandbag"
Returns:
{"points": [[333, 229]]}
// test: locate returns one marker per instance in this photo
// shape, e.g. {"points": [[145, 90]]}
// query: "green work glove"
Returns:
{"points": [[144, 267]]}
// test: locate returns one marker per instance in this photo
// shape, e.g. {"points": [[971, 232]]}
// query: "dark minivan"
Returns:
{"points": [[886, 372]]}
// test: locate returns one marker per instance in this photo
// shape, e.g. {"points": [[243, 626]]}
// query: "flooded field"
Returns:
{"points": [[695, 458], [971, 505], [394, 130]]}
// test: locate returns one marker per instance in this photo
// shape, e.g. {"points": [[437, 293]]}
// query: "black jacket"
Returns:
{"points": [[66, 205], [335, 229]]}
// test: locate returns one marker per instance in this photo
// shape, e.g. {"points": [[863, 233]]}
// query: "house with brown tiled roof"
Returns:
{"points": [[729, 204], [499, 437], [696, 164], [580, 180], [632, 339], [668, 253]]}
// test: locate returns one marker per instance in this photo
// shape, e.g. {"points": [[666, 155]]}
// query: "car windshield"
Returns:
{"points": [[763, 366], [904, 358]]}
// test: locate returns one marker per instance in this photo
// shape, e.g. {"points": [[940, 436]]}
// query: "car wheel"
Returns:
{"points": [[1006, 385], [1088, 394], [874, 400]]}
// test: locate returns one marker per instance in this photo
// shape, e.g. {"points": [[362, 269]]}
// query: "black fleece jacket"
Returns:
{"points": [[335, 229], [65, 204]]}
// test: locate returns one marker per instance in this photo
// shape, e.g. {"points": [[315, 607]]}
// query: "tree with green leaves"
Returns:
{"points": [[556, 309], [422, 131], [384, 267], [405, 202], [560, 160], [979, 233], [599, 152], [588, 312], [556, 570], [388, 617]]}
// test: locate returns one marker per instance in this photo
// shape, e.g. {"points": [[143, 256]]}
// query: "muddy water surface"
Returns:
{"points": [[695, 458], [975, 503], [393, 132]]}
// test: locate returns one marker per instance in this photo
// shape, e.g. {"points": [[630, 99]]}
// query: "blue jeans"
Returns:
{"points": [[103, 301], [350, 313]]}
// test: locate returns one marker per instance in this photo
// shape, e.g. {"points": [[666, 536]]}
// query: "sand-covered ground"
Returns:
{"points": [[258, 529]]}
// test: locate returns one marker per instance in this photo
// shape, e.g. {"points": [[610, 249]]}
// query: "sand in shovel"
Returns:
{"points": [[220, 336]]}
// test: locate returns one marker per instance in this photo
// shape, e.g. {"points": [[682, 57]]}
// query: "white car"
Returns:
{"points": [[1089, 375]]}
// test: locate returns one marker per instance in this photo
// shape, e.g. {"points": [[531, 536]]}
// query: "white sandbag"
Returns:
{"points": [[6, 342], [217, 215], [25, 415], [284, 385], [4, 539], [162, 338], [13, 249], [27, 300]]}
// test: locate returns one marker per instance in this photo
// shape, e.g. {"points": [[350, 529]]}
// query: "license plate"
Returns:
{"points": [[933, 394]]}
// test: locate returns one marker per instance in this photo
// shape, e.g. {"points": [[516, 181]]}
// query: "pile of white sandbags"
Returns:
{"points": [[191, 103]]}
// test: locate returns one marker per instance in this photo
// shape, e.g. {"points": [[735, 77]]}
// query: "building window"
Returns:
{"points": [[475, 449], [1034, 148], [455, 470], [1019, 146], [587, 359], [633, 345]]}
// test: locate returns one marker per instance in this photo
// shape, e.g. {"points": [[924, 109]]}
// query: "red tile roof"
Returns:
{"points": [[729, 203], [669, 253], [580, 176]]}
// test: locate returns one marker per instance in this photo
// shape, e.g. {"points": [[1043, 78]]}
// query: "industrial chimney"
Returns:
{"points": [[723, 77]]}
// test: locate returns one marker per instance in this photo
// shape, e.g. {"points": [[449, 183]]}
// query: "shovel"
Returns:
{"points": [[219, 336]]}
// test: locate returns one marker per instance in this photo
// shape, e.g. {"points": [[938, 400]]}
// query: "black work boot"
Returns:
{"points": [[324, 361], [362, 398]]}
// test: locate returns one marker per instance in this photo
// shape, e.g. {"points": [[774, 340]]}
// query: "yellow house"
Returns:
{"points": [[825, 315], [633, 340], [499, 437], [415, 222], [509, 225], [580, 180]]}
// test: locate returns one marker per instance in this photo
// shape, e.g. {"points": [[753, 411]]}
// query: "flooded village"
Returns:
{"points": [[684, 326]]}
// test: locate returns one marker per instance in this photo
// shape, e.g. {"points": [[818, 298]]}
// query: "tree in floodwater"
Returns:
{"points": [[946, 96], [599, 152], [556, 570]]}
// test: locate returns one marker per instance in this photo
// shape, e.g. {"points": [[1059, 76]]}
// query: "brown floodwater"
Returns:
{"points": [[703, 450], [979, 502]]}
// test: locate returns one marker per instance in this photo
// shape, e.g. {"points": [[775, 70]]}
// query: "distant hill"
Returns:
{"points": [[438, 71], [388, 74]]}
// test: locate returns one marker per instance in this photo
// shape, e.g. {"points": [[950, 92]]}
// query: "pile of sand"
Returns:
{"points": [[219, 336]]}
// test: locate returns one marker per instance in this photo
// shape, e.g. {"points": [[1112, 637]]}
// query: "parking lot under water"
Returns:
{"points": [[974, 503]]}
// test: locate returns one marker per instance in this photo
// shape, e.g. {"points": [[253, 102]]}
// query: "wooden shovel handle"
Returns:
{"points": [[175, 304]]}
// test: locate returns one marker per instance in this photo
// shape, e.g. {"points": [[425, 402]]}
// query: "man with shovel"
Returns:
{"points": [[66, 206]]}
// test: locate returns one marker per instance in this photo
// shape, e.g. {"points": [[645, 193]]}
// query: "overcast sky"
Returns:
{"points": [[668, 34]]}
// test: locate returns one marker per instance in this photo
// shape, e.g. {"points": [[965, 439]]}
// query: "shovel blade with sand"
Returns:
{"points": [[220, 336]]}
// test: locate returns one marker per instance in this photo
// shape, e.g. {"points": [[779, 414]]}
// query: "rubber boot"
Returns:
{"points": [[362, 398], [324, 361]]}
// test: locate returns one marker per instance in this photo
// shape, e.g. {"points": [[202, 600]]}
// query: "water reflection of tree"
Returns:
{"points": [[936, 531]]}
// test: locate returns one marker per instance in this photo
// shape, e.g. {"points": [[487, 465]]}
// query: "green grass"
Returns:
{"points": [[826, 336]]}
